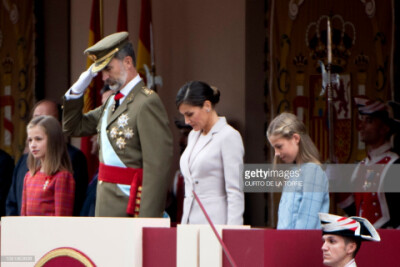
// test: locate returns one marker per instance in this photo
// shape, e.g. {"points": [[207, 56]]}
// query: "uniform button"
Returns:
{"points": [[376, 214], [100, 182], [373, 194], [196, 182], [373, 203]]}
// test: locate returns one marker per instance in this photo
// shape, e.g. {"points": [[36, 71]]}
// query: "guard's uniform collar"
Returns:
{"points": [[375, 154]]}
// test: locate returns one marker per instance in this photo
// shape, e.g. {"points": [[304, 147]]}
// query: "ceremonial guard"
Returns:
{"points": [[342, 238], [376, 184], [133, 133]]}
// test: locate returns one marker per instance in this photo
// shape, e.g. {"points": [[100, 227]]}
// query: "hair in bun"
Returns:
{"points": [[195, 93]]}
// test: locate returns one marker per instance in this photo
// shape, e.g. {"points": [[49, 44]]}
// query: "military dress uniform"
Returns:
{"points": [[135, 141], [379, 207], [139, 134], [352, 263], [355, 228], [376, 184]]}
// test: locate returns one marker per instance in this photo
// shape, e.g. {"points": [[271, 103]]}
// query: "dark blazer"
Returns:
{"points": [[14, 198], [89, 205], [79, 166], [6, 171], [81, 176]]}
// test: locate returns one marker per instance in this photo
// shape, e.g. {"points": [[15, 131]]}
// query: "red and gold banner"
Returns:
{"points": [[144, 46], [17, 72], [92, 96], [362, 47]]}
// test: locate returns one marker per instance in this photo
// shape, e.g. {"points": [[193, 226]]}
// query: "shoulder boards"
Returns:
{"points": [[147, 91]]}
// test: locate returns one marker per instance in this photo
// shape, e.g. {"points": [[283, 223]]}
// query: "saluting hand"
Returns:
{"points": [[79, 87]]}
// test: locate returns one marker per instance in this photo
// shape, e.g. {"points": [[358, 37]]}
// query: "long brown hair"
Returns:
{"points": [[56, 157], [287, 124]]}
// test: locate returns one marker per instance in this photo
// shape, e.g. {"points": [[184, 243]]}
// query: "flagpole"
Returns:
{"points": [[330, 94], [153, 63], [101, 18]]}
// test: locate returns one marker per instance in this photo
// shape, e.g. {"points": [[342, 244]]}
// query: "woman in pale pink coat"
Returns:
{"points": [[212, 159]]}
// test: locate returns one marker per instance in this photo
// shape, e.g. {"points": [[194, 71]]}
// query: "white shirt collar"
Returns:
{"points": [[351, 263], [129, 86]]}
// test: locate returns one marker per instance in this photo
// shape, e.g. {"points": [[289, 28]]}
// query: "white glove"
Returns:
{"points": [[79, 87]]}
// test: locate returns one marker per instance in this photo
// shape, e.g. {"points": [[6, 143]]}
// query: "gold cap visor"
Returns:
{"points": [[104, 50]]}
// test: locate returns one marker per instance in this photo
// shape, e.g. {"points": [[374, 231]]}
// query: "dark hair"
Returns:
{"points": [[383, 116], [195, 93], [355, 240], [125, 51]]}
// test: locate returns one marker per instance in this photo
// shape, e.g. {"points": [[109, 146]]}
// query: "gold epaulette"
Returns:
{"points": [[147, 91]]}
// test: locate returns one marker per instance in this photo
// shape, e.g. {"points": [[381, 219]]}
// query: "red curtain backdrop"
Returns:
{"points": [[122, 24]]}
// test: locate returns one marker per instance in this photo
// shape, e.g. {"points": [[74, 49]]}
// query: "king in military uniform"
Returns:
{"points": [[133, 130]]}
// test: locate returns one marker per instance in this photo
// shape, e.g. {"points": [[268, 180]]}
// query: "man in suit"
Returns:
{"points": [[133, 132], [78, 160]]}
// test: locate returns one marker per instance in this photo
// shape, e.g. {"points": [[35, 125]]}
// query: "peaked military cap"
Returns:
{"points": [[355, 227], [104, 50]]}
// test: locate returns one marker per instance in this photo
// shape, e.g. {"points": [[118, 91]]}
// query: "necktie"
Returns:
{"points": [[117, 97]]}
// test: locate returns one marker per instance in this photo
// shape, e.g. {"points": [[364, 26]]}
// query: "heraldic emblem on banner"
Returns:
{"points": [[360, 47]]}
